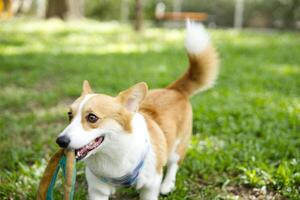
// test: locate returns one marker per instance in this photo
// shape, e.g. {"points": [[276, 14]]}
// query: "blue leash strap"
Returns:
{"points": [[49, 195]]}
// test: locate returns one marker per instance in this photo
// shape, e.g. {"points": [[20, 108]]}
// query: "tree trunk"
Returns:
{"points": [[57, 8], [76, 9], [124, 11], [138, 15], [41, 8], [239, 14]]}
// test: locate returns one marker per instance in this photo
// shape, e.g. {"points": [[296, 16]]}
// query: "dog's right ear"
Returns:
{"points": [[86, 88], [132, 97]]}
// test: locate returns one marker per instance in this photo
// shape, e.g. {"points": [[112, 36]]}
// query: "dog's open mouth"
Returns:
{"points": [[83, 151]]}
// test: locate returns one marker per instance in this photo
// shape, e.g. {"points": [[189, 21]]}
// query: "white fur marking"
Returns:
{"points": [[169, 181], [197, 38]]}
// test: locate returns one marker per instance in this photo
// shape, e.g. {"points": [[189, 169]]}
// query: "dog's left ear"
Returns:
{"points": [[132, 97], [86, 88]]}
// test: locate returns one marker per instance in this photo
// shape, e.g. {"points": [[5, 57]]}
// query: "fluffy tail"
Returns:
{"points": [[203, 60]]}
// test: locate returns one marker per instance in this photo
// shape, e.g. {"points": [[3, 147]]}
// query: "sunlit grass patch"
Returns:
{"points": [[285, 69], [56, 37]]}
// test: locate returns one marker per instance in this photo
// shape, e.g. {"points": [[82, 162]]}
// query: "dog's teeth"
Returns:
{"points": [[82, 152]]}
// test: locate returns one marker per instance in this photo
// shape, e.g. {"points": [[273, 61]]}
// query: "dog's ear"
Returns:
{"points": [[132, 97], [86, 88]]}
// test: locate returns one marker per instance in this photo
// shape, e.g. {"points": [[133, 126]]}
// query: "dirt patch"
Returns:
{"points": [[242, 192]]}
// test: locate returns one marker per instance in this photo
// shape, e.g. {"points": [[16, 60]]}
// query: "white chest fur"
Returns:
{"points": [[121, 153]]}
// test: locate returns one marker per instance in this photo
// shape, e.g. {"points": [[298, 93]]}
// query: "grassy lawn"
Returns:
{"points": [[246, 140]]}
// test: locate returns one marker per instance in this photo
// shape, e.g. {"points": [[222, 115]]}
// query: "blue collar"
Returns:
{"points": [[128, 179]]}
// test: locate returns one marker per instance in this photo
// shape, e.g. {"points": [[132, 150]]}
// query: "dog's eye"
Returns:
{"points": [[70, 115], [92, 118]]}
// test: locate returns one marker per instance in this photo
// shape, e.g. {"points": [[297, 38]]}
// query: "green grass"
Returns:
{"points": [[246, 130]]}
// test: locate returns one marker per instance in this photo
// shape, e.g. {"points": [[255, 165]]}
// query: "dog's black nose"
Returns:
{"points": [[63, 141]]}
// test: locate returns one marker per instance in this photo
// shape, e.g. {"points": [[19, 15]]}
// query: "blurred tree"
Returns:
{"points": [[107, 9], [41, 8], [239, 14], [75, 8], [65, 9], [275, 13], [6, 7], [291, 12], [124, 11], [56, 8], [138, 15]]}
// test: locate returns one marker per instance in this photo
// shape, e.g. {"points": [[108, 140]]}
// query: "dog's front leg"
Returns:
{"points": [[151, 189], [98, 190]]}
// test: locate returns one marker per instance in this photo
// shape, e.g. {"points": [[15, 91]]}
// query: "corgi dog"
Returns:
{"points": [[129, 139]]}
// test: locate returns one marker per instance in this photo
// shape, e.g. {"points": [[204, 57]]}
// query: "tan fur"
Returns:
{"points": [[170, 108], [201, 73], [135, 93], [86, 88], [172, 112], [158, 142]]}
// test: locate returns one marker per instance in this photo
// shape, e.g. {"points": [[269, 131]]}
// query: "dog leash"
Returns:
{"points": [[65, 160]]}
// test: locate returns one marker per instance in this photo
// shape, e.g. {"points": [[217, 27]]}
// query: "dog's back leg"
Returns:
{"points": [[168, 183], [178, 153]]}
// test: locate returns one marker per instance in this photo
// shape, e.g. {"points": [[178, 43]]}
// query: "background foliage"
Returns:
{"points": [[273, 13]]}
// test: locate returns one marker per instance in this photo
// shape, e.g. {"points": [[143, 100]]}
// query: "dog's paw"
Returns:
{"points": [[167, 187]]}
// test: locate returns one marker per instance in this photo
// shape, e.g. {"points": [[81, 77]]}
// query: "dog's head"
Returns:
{"points": [[98, 121]]}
